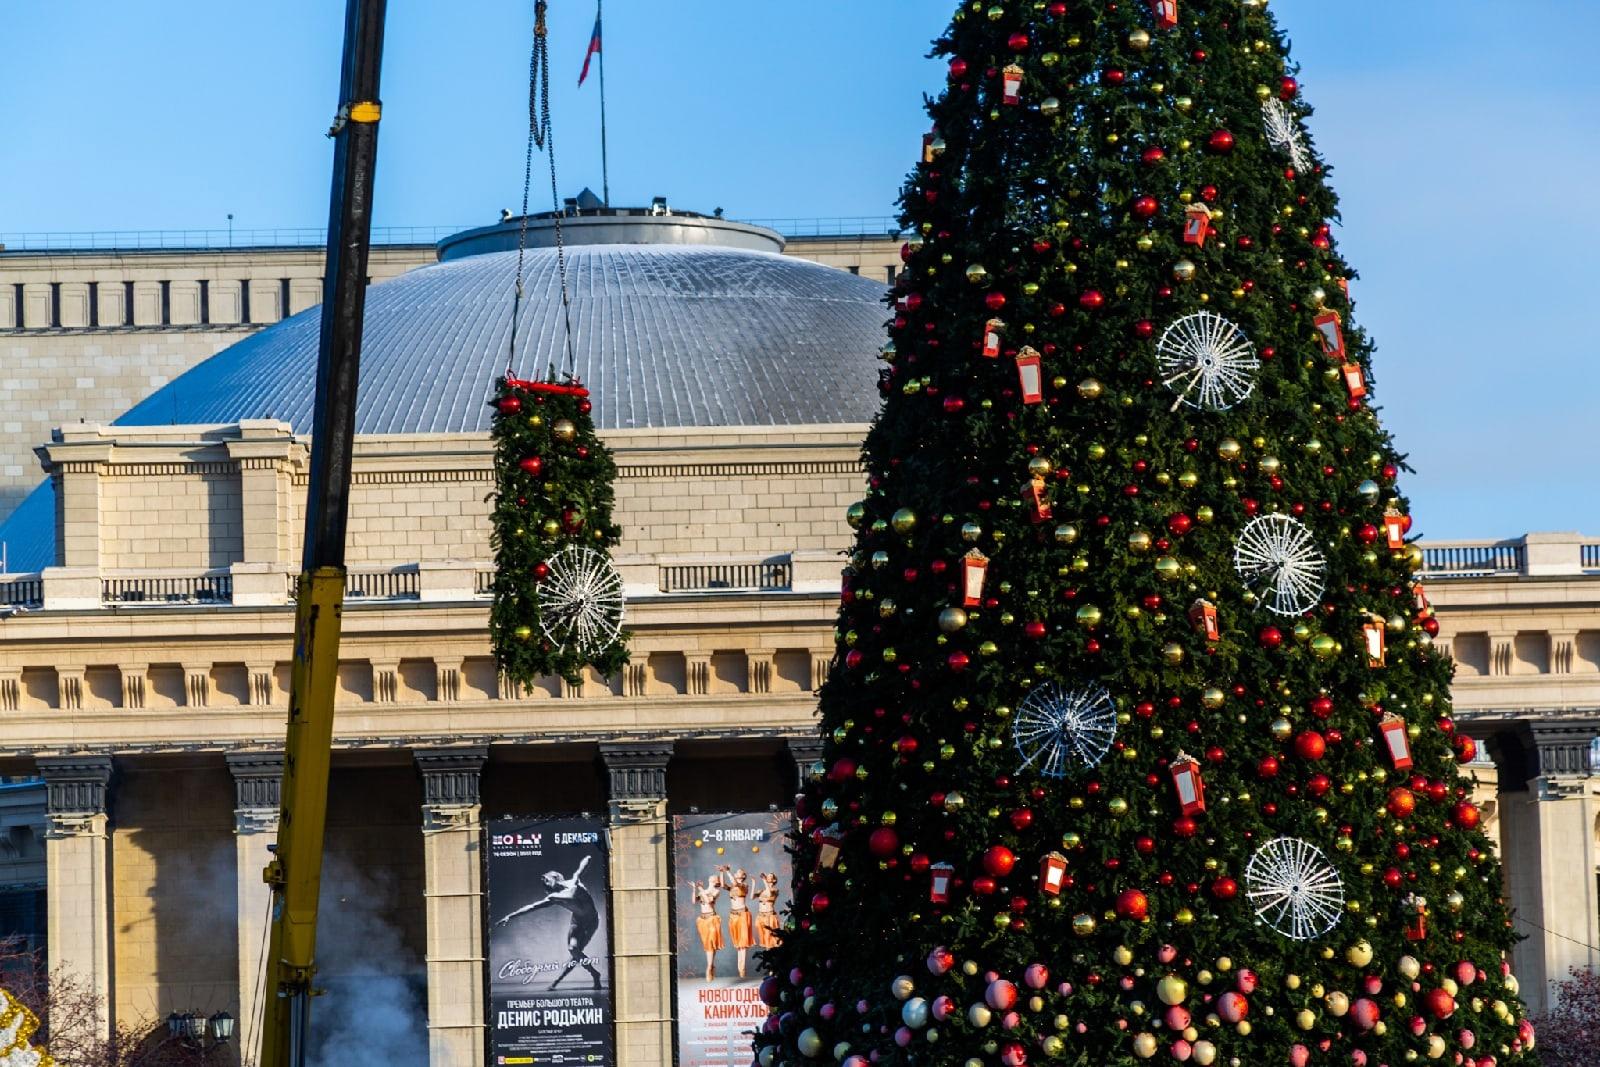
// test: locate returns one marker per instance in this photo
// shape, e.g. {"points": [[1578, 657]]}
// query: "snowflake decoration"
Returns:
{"points": [[1279, 560], [1058, 729], [580, 601], [1207, 361], [1283, 133], [1294, 889]]}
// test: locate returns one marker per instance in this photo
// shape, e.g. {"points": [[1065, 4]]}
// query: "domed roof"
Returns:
{"points": [[664, 335]]}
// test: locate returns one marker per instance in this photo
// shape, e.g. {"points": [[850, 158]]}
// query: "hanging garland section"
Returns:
{"points": [[572, 388]]}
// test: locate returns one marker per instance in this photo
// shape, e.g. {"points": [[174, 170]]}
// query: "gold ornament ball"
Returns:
{"points": [[1229, 449], [1172, 653], [996, 13], [971, 531], [523, 633], [977, 274], [1169, 569], [854, 514], [1049, 106], [1204, 515], [1139, 542], [1071, 840], [903, 521], [1184, 270], [1269, 465], [1359, 954], [549, 527], [1039, 466], [1145, 242], [1066, 534], [1302, 631], [1088, 616], [563, 430], [952, 620], [1083, 924], [880, 560], [1117, 806], [988, 648], [878, 526], [1172, 990], [1089, 389], [1454, 901], [1213, 698], [1282, 729], [1184, 104], [1183, 917], [1139, 39], [1324, 646]]}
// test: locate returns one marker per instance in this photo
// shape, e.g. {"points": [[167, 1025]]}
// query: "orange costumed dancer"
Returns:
{"points": [[741, 924], [767, 922], [709, 924]]}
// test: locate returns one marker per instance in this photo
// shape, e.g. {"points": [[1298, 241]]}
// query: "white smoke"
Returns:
{"points": [[372, 1013]]}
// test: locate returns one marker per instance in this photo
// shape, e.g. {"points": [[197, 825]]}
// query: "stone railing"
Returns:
{"points": [[273, 585], [1531, 555]]}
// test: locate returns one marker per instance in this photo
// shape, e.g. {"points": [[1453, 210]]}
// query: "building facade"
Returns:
{"points": [[144, 652]]}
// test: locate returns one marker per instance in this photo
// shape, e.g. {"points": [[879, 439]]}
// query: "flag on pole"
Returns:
{"points": [[594, 48]]}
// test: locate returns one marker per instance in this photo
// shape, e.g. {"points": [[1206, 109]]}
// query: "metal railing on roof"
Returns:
{"points": [[312, 237]]}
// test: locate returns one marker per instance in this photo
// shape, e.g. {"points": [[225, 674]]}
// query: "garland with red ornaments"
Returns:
{"points": [[558, 601]]}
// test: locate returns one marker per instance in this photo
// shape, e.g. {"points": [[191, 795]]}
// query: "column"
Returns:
{"points": [[256, 780], [1549, 855], [452, 849], [77, 873], [641, 914]]}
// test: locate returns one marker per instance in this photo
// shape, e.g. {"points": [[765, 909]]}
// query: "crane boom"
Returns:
{"points": [[295, 872]]}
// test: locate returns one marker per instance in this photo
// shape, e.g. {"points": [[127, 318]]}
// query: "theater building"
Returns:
{"points": [[146, 631]]}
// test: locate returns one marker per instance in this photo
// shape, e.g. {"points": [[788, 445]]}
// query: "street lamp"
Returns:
{"points": [[221, 1026], [193, 1028]]}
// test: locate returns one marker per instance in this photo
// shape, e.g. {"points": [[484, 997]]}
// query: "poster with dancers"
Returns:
{"points": [[549, 940], [731, 888]]}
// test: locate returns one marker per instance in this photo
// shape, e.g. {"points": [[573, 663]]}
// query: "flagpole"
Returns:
{"points": [[605, 174]]}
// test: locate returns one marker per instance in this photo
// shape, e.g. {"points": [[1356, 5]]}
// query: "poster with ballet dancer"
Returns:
{"points": [[549, 942], [731, 890]]}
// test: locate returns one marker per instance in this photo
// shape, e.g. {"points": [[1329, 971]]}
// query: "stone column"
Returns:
{"points": [[78, 873], [452, 849], [641, 913], [1549, 854], [256, 780]]}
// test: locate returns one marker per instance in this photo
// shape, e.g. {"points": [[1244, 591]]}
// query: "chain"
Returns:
{"points": [[540, 135]]}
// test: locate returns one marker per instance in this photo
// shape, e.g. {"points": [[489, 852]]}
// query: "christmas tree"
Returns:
{"points": [[1136, 744]]}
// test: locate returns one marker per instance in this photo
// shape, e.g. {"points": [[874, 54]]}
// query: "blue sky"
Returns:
{"points": [[1462, 136]]}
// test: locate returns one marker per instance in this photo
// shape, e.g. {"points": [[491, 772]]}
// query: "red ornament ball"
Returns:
{"points": [[509, 405], [1034, 629], [1091, 300], [999, 860], [1368, 533], [1133, 904], [1310, 745], [1288, 88], [1220, 142], [1017, 42], [1115, 76], [1322, 707], [995, 301], [884, 842], [1268, 767], [1146, 206], [1225, 889], [1270, 637], [1440, 1005], [1465, 815], [1154, 156], [1466, 749], [1402, 802], [820, 902], [958, 68], [1144, 329], [532, 465], [541, 571], [957, 661], [1180, 524]]}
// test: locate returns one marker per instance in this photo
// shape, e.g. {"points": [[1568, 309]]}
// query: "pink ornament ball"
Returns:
{"points": [[1037, 976]]}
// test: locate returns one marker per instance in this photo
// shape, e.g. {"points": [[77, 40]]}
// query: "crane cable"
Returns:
{"points": [[540, 135]]}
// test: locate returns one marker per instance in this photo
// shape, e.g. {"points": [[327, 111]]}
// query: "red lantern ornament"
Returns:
{"points": [[973, 567], [829, 842], [1373, 639], [1189, 783], [1052, 874], [1196, 225], [943, 878], [1133, 904], [1203, 617], [928, 152], [1330, 334], [1394, 527], [991, 338], [1166, 13], [1419, 596], [1011, 84], [1395, 740], [1030, 375], [1036, 497], [1355, 381]]}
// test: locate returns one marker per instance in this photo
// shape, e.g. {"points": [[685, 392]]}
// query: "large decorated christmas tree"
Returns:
{"points": [[1136, 742]]}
